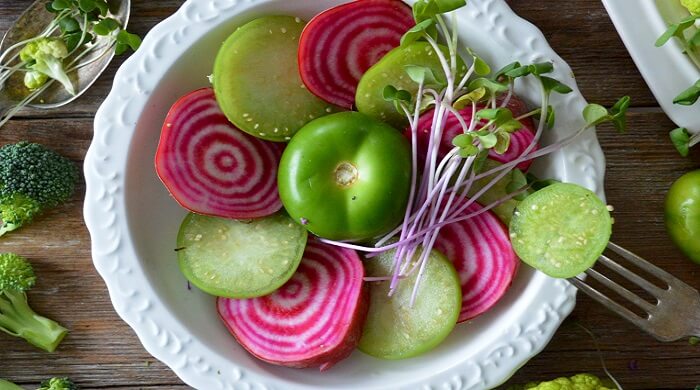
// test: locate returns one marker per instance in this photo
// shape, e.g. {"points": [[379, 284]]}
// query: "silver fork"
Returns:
{"points": [[676, 313]]}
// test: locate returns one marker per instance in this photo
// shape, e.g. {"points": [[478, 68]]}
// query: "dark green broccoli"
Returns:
{"points": [[58, 384], [32, 179], [16, 317]]}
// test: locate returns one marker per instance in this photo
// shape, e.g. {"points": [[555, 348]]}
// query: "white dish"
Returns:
{"points": [[133, 222], [666, 70]]}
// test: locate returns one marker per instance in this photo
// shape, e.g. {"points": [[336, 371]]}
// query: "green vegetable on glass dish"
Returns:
{"points": [[33, 179], [79, 33], [682, 214], [60, 383], [16, 316]]}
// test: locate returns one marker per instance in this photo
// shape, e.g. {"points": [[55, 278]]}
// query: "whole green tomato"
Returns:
{"points": [[346, 176], [683, 214]]}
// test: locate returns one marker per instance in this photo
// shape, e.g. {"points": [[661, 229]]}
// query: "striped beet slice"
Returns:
{"points": [[519, 140], [315, 319], [212, 168], [338, 45], [481, 251]]}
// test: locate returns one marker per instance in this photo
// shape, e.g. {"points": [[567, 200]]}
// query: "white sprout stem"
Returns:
{"points": [[449, 38]]}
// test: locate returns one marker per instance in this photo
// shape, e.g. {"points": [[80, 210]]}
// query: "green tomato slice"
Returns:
{"points": [[257, 82], [396, 330], [391, 70], [239, 258], [561, 229]]}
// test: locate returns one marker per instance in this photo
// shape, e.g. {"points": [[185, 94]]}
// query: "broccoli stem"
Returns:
{"points": [[7, 385], [18, 319]]}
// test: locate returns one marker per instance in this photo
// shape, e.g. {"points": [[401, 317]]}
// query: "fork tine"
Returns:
{"points": [[642, 263], [609, 303], [625, 293], [631, 276]]}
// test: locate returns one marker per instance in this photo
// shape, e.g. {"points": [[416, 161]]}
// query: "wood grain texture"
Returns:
{"points": [[102, 352]]}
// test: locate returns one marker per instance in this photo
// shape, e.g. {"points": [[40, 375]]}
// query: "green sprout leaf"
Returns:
{"points": [[468, 151], [680, 138], [517, 181], [534, 69], [551, 117], [551, 85], [481, 68], [676, 30], [422, 75], [60, 5], [87, 6], [474, 96], [491, 86], [503, 142], [68, 25], [510, 126], [72, 40], [463, 140], [595, 114], [133, 41], [488, 140], [501, 73], [689, 96], [424, 10], [102, 6], [105, 26], [446, 6], [417, 32]]}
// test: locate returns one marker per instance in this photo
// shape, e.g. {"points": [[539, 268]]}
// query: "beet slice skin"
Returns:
{"points": [[338, 45], [315, 319], [212, 168], [518, 140], [481, 251]]}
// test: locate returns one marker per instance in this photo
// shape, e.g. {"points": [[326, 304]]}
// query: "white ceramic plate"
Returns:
{"points": [[133, 222], [666, 69]]}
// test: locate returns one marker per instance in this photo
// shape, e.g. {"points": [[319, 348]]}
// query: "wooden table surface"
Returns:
{"points": [[102, 351]]}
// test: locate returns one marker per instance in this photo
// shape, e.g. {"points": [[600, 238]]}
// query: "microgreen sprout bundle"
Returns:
{"points": [[440, 186]]}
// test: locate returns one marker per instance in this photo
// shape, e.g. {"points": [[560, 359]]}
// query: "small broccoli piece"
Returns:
{"points": [[576, 382], [58, 384], [45, 55], [7, 385], [34, 80], [32, 179], [692, 5], [16, 317]]}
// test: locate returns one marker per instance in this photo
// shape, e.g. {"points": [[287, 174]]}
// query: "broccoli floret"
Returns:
{"points": [[692, 5], [16, 317], [45, 55], [58, 384], [576, 382], [32, 179], [7, 385]]}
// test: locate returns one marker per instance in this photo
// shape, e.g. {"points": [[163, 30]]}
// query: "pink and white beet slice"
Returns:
{"points": [[212, 168], [315, 319], [481, 251], [338, 45]]}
